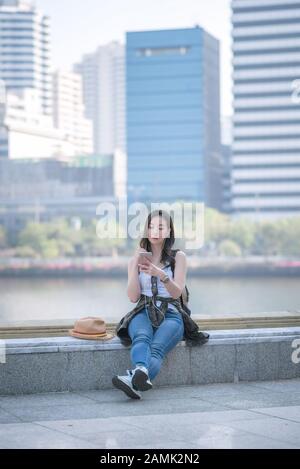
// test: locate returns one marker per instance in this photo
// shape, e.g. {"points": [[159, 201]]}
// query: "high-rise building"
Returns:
{"points": [[226, 149], [103, 76], [25, 60], [226, 130], [173, 116], [25, 132], [69, 111], [266, 146]]}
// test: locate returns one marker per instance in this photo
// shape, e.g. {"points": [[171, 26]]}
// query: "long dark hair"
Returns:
{"points": [[167, 255]]}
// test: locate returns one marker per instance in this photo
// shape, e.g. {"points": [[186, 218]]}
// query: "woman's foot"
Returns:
{"points": [[124, 383], [140, 379]]}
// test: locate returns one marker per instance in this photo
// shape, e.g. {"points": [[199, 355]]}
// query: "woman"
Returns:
{"points": [[158, 322]]}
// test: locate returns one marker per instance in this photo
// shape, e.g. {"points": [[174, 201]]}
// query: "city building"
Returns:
{"points": [[42, 189], [69, 111], [25, 132], [226, 150], [103, 77], [25, 55], [266, 143], [226, 178], [173, 116]]}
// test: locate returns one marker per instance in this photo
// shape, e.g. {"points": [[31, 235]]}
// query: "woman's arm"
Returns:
{"points": [[133, 287], [176, 285]]}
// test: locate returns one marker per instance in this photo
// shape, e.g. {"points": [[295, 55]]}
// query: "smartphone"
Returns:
{"points": [[144, 255]]}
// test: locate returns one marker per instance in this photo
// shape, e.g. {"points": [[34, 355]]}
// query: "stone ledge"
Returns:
{"points": [[60, 328], [70, 344], [68, 364]]}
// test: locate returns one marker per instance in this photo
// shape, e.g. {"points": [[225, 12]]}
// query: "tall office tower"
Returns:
{"points": [[103, 75], [25, 50], [226, 125], [266, 147], [173, 116], [69, 112]]}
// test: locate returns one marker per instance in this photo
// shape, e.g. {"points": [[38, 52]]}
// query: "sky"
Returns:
{"points": [[80, 26]]}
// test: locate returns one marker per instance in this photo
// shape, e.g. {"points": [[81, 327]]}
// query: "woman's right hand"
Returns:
{"points": [[136, 255]]}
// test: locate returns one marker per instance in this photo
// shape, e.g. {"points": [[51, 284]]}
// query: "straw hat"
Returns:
{"points": [[90, 327]]}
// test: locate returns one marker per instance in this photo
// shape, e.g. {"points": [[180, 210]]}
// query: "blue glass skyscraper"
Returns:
{"points": [[173, 116]]}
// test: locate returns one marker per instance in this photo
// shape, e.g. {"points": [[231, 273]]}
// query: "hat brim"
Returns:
{"points": [[90, 336]]}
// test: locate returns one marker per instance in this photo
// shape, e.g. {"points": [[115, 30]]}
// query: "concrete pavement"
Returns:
{"points": [[264, 414]]}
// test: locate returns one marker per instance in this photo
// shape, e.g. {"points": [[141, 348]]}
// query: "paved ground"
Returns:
{"points": [[244, 415]]}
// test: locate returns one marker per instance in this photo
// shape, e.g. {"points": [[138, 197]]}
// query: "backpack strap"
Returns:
{"points": [[187, 293], [173, 262]]}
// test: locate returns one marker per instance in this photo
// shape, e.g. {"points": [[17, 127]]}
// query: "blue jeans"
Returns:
{"points": [[151, 344]]}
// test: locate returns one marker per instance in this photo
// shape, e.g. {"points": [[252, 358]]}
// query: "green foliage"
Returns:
{"points": [[58, 238], [273, 237], [25, 251], [230, 248], [3, 241], [267, 240], [223, 235], [290, 236], [242, 232], [216, 225]]}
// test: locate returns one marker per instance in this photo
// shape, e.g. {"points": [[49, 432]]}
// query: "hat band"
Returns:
{"points": [[100, 334]]}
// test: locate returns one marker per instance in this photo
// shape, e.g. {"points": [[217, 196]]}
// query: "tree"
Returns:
{"points": [[289, 229], [34, 236], [3, 240], [230, 248], [242, 231], [267, 239], [216, 225]]}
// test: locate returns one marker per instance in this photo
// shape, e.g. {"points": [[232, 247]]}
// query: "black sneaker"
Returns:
{"points": [[124, 383], [140, 379]]}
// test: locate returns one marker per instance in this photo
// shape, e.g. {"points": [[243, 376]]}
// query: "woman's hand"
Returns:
{"points": [[151, 269], [136, 255]]}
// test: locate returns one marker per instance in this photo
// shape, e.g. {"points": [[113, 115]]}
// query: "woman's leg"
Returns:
{"points": [[168, 334], [140, 331]]}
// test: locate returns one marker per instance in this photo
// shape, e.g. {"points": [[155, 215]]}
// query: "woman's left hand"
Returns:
{"points": [[151, 269]]}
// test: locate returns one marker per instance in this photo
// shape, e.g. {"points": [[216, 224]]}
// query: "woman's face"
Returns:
{"points": [[158, 230]]}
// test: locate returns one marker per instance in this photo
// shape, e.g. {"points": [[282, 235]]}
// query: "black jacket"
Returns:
{"points": [[192, 335]]}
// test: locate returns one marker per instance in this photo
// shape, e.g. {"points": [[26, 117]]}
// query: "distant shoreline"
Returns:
{"points": [[117, 267]]}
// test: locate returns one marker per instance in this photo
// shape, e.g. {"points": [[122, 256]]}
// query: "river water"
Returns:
{"points": [[34, 299]]}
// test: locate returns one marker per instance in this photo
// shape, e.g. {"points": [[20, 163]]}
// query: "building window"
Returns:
{"points": [[154, 51]]}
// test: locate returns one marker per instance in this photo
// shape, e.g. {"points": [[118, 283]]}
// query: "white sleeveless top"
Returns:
{"points": [[145, 284]]}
